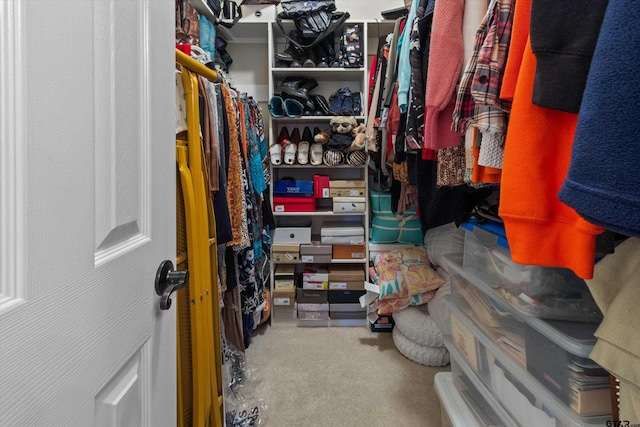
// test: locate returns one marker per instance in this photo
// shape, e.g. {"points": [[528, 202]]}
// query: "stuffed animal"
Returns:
{"points": [[344, 135]]}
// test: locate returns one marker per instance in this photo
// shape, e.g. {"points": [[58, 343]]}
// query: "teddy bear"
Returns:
{"points": [[345, 134]]}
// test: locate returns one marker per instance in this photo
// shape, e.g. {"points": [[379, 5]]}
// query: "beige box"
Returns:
{"points": [[346, 273], [286, 252], [346, 192], [347, 184], [315, 248], [315, 274], [283, 304], [284, 284], [347, 285]]}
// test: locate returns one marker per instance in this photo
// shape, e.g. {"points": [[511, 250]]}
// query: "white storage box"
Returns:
{"points": [[298, 235]]}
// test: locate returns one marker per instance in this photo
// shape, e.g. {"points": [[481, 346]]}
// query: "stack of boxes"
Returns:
{"points": [[284, 292], [293, 196], [346, 285], [346, 238], [348, 196]]}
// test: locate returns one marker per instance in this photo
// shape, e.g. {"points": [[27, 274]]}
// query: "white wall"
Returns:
{"points": [[367, 9]]}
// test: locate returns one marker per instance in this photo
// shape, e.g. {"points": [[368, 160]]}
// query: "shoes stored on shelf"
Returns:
{"points": [[303, 152], [293, 108], [290, 153], [316, 154], [283, 136], [333, 158], [356, 158], [275, 154], [276, 106]]}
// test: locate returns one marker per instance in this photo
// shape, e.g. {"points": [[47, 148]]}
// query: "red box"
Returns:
{"points": [[294, 204], [321, 186]]}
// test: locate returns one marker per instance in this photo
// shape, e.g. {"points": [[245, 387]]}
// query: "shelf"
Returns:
{"points": [[310, 166], [325, 74], [319, 213], [325, 119], [333, 261]]}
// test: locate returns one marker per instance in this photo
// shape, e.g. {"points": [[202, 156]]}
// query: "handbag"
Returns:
{"points": [[227, 9], [314, 19]]}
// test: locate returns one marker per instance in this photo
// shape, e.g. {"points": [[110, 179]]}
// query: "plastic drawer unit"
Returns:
{"points": [[556, 353], [462, 405], [545, 292], [519, 392]]}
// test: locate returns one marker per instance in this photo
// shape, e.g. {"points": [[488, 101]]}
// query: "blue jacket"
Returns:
{"points": [[603, 182]]}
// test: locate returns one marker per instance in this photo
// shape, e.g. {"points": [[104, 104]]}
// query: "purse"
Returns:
{"points": [[227, 9], [314, 19]]}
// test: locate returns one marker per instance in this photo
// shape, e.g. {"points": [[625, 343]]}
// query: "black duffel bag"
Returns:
{"points": [[314, 19]]}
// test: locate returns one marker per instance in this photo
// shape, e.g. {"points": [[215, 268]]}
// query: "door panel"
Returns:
{"points": [[87, 212]]}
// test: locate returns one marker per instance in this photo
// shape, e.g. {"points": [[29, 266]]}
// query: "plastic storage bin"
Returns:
{"points": [[518, 391], [545, 292], [462, 405]]}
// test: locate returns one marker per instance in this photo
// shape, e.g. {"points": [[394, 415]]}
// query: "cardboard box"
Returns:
{"points": [[347, 184], [316, 259], [320, 286], [465, 342], [348, 314], [315, 274], [313, 315], [346, 272], [349, 204], [294, 204], [286, 252], [347, 307], [304, 296], [313, 306], [341, 228], [295, 235], [315, 248], [284, 284], [347, 285], [291, 188], [321, 186], [283, 304], [349, 251], [284, 271], [346, 192], [345, 297]]}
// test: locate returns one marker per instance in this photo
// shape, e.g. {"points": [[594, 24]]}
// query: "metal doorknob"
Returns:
{"points": [[168, 281]]}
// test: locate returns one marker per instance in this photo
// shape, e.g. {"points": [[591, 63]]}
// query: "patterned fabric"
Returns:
{"points": [[451, 166], [253, 150], [478, 103], [405, 273], [235, 200], [247, 281]]}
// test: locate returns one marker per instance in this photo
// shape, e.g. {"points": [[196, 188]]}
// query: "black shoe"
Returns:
{"points": [[291, 82], [300, 91], [291, 52], [322, 106]]}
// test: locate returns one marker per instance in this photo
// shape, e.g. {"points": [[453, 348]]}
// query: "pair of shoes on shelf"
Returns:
{"points": [[345, 102], [294, 147], [322, 55], [279, 107]]}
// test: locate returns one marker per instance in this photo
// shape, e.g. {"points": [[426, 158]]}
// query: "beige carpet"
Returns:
{"points": [[340, 377]]}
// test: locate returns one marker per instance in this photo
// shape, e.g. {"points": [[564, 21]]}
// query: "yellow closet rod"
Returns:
{"points": [[195, 66]]}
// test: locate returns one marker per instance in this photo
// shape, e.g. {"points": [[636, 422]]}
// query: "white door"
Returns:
{"points": [[87, 212]]}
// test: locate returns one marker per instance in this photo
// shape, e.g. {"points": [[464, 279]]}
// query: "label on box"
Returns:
{"points": [[325, 193], [282, 301], [280, 208], [307, 258], [318, 286], [357, 255], [338, 285]]}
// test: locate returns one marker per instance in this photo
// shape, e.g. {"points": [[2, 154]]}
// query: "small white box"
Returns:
{"points": [[292, 235]]}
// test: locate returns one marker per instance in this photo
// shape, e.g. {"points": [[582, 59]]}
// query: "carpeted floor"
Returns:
{"points": [[340, 377]]}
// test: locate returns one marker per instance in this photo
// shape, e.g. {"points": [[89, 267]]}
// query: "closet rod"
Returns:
{"points": [[195, 66]]}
